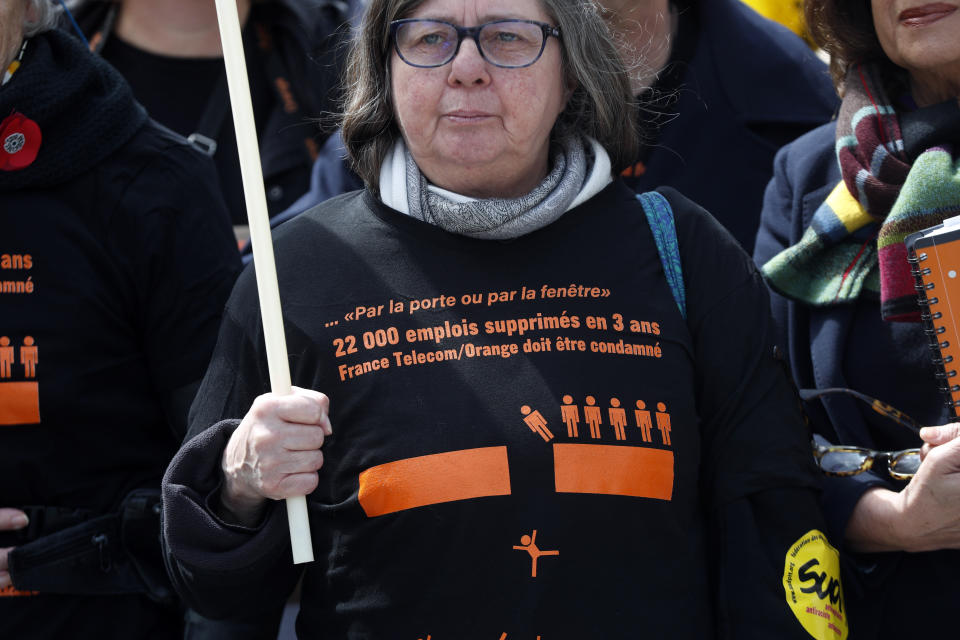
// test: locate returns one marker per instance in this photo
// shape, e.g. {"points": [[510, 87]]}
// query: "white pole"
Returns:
{"points": [[266, 269]]}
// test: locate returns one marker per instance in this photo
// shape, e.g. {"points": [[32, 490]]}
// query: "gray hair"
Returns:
{"points": [[602, 105], [45, 14]]}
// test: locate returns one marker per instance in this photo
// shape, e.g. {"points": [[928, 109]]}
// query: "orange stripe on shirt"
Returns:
{"points": [[12, 592], [440, 477], [19, 403], [620, 471]]}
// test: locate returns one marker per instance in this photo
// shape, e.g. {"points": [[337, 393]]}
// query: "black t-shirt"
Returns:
{"points": [[526, 433], [177, 91], [118, 281]]}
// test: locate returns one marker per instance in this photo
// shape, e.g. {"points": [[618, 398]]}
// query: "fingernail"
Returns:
{"points": [[20, 521], [924, 432]]}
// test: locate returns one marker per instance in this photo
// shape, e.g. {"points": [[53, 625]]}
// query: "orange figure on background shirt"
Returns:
{"points": [[663, 423], [6, 357], [537, 423], [529, 544], [618, 418], [570, 416], [29, 357], [593, 417], [643, 420]]}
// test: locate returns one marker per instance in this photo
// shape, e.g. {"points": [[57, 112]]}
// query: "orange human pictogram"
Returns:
{"points": [[537, 423], [643, 420], [6, 357], [529, 544], [570, 416], [618, 418], [29, 357], [593, 417], [663, 422]]}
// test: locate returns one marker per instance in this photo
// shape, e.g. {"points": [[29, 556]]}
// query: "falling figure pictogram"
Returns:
{"points": [[537, 423], [529, 544]]}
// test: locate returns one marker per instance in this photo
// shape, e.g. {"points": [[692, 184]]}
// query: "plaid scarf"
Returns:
{"points": [[893, 185]]}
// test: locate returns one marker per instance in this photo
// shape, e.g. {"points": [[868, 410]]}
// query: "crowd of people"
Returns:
{"points": [[610, 293]]}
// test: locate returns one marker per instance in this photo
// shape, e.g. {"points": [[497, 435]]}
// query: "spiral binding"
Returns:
{"points": [[933, 330]]}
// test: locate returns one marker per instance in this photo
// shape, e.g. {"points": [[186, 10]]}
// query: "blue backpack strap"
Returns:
{"points": [[660, 216]]}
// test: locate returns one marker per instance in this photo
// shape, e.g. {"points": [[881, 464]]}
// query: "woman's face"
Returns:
{"points": [[472, 127], [923, 37], [12, 14]]}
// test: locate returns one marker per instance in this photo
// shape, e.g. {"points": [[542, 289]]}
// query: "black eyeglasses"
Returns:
{"points": [[510, 44], [849, 461]]}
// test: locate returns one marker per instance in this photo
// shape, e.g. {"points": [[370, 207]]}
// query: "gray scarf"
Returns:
{"points": [[504, 218]]}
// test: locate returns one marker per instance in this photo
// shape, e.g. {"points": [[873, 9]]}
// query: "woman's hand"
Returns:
{"points": [[10, 520], [935, 436], [925, 516], [931, 501], [274, 453]]}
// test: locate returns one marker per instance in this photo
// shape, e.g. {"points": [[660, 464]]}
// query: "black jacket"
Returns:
{"points": [[850, 346], [120, 257]]}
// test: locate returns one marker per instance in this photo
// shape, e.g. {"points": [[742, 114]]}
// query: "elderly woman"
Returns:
{"points": [[522, 435], [116, 257], [832, 242]]}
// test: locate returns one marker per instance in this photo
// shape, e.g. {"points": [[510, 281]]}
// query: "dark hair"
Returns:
{"points": [[601, 106], [845, 30]]}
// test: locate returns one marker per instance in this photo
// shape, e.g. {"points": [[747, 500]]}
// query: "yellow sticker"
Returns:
{"points": [[811, 582]]}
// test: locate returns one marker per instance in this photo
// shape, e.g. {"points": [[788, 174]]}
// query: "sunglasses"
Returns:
{"points": [[840, 461]]}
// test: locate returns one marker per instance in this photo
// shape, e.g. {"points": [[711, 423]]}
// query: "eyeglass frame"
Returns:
{"points": [[880, 407], [872, 455], [473, 33]]}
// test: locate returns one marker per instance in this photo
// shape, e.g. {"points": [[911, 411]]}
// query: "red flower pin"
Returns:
{"points": [[20, 140]]}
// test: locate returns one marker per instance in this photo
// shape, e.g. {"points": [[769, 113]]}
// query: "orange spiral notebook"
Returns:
{"points": [[934, 254]]}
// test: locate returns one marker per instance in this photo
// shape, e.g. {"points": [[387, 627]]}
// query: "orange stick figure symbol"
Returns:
{"points": [[592, 415], [6, 357], [663, 422], [618, 418], [529, 544], [29, 357], [570, 416], [537, 423]]}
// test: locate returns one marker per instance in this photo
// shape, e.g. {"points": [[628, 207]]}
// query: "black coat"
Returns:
{"points": [[120, 257], [886, 593]]}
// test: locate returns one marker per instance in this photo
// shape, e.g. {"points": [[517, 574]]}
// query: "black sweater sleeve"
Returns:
{"points": [[759, 482], [220, 569]]}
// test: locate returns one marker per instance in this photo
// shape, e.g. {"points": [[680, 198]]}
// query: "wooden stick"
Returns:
{"points": [[261, 242]]}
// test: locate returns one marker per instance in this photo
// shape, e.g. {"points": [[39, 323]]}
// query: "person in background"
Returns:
{"points": [[169, 51], [116, 258], [722, 90], [831, 243], [492, 267]]}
